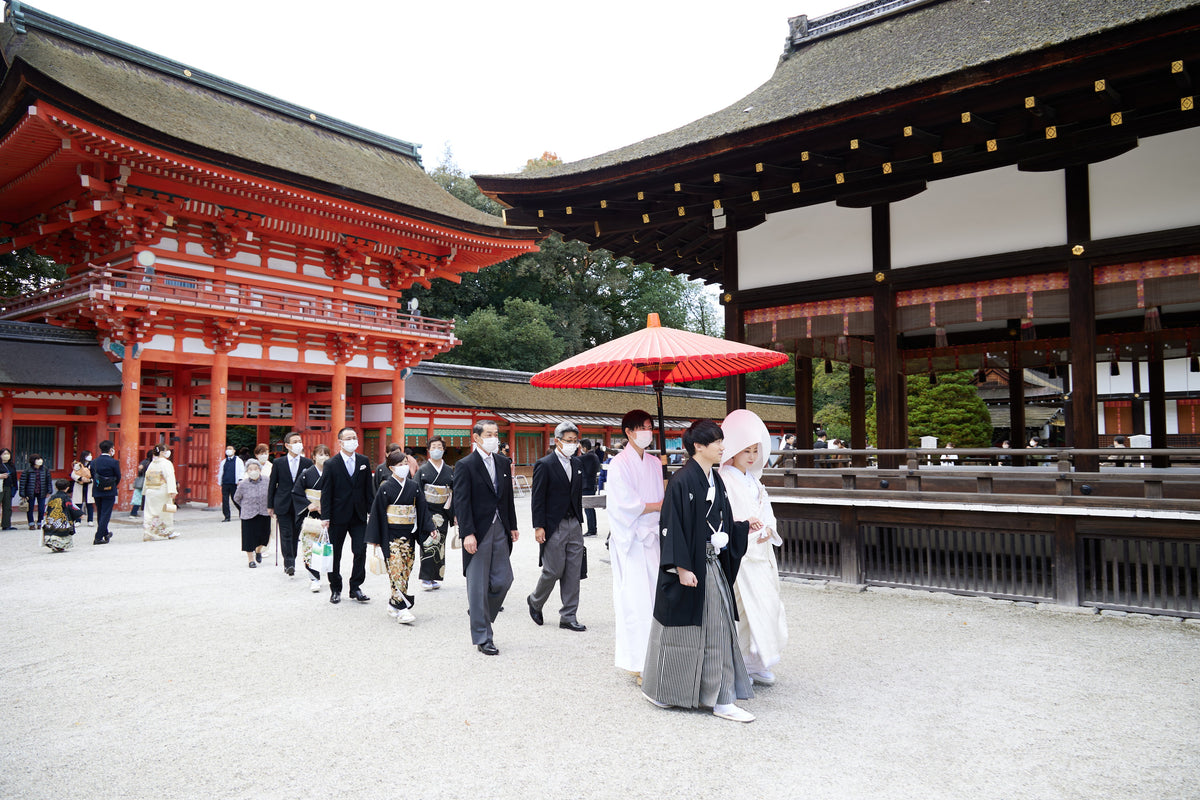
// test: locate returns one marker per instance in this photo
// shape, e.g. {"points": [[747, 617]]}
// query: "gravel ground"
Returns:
{"points": [[170, 670]]}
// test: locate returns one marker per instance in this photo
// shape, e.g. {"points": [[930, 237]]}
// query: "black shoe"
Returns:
{"points": [[335, 597], [489, 649], [358, 595], [534, 614], [100, 541], [593, 533], [225, 520], [252, 565], [572, 626], [289, 571], [258, 557], [107, 538]]}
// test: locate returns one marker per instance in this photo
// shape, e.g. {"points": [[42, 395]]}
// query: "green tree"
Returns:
{"points": [[951, 411], [518, 338], [24, 271]]}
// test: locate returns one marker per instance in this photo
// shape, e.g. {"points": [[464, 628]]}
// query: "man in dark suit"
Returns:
{"points": [[591, 469], [284, 473], [557, 505], [487, 525], [347, 490], [106, 479]]}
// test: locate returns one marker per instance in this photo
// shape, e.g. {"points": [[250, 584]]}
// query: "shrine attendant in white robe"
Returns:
{"points": [[693, 659], [634, 496], [762, 623]]}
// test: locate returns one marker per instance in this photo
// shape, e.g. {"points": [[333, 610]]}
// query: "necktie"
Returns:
{"points": [[491, 468]]}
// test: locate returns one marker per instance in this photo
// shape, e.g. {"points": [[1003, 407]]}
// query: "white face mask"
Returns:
{"points": [[296, 447], [350, 445], [569, 448], [436, 455], [253, 474], [166, 454], [400, 471], [87, 460], [643, 439], [229, 453], [491, 445]]}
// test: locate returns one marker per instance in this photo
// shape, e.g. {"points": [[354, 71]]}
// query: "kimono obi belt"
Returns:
{"points": [[313, 495], [438, 495], [402, 515], [155, 479]]}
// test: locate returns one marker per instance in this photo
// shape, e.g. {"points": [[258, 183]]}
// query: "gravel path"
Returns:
{"points": [[170, 670]]}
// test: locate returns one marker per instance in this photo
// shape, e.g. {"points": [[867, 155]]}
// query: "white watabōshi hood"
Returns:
{"points": [[743, 428]]}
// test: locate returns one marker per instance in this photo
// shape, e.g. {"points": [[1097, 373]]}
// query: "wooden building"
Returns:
{"points": [[926, 185], [243, 260]]}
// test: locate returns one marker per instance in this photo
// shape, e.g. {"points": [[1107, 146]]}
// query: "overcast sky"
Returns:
{"points": [[497, 82]]}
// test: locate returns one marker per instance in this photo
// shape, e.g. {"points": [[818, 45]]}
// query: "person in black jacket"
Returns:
{"points": [[346, 494], [590, 462], [557, 505], [436, 478], [399, 522], [106, 481], [285, 471], [8, 485], [36, 486], [306, 504]]}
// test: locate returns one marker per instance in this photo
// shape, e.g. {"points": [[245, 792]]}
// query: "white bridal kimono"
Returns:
{"points": [[632, 483], [762, 622]]}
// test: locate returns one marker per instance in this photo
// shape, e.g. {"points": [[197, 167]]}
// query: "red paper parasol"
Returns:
{"points": [[656, 356]]}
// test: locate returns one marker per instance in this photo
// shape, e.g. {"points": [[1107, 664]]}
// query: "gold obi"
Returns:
{"points": [[313, 495], [402, 515], [155, 479], [438, 495]]}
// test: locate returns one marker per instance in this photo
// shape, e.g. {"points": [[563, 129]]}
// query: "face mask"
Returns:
{"points": [[166, 454], [87, 460], [643, 439], [350, 445], [569, 448], [253, 474], [229, 453], [400, 471], [37, 463], [436, 455], [296, 447], [491, 445]]}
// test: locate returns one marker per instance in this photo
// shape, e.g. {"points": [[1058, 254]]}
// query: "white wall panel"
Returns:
{"points": [[1154, 187], [998, 211], [377, 412], [160, 341], [247, 350], [805, 244]]}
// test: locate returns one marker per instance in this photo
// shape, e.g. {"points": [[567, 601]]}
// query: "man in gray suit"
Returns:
{"points": [[557, 506], [487, 525]]}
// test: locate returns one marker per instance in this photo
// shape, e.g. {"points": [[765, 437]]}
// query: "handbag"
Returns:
{"points": [[107, 484], [376, 564], [169, 508], [322, 554], [139, 482], [455, 542]]}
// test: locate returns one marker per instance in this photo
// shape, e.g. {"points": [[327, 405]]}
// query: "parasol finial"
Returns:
{"points": [[652, 320]]}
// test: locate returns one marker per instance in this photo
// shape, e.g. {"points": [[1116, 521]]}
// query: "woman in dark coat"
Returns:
{"points": [[436, 478], [398, 522], [36, 486], [693, 658], [8, 487]]}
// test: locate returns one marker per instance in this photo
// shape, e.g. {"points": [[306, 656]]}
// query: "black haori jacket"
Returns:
{"points": [[380, 531], [683, 535]]}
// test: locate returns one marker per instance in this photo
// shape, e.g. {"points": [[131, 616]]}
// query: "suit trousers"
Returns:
{"points": [[289, 536], [358, 546], [562, 562], [104, 509], [227, 490], [489, 576]]}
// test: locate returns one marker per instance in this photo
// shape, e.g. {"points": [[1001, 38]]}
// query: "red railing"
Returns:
{"points": [[227, 298]]}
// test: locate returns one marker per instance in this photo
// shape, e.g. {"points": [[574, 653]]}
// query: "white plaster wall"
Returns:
{"points": [[193, 345], [247, 350], [316, 357], [160, 341], [167, 244], [377, 412], [247, 257], [286, 354], [997, 211], [1154, 187], [194, 248], [314, 270], [805, 244], [358, 361]]}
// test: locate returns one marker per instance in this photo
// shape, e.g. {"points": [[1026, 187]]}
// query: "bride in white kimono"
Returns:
{"points": [[762, 623]]}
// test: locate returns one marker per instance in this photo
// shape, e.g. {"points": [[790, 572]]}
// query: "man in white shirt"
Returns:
{"points": [[635, 495]]}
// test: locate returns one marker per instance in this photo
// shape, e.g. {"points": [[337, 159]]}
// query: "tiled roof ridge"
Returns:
{"points": [[35, 331]]}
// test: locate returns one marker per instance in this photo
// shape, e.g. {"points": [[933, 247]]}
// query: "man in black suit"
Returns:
{"points": [[591, 469], [106, 480], [557, 505], [487, 525], [284, 473], [347, 490]]}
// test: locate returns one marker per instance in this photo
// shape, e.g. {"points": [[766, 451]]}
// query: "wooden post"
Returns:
{"points": [[1158, 405], [398, 409], [6, 423], [804, 408], [339, 394], [1066, 561], [218, 409], [890, 427], [1137, 406], [131, 402], [1016, 400], [735, 327], [1082, 302], [858, 413]]}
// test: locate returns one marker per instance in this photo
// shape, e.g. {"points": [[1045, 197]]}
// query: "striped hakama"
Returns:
{"points": [[691, 666]]}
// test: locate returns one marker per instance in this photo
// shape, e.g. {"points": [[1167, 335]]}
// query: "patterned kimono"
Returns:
{"points": [[433, 553], [58, 532], [159, 490], [309, 479], [399, 541]]}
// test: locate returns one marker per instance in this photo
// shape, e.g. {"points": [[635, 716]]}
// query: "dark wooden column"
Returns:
{"points": [[1016, 401], [1137, 406], [1068, 412], [889, 397], [858, 413], [804, 407], [1158, 404], [1082, 302], [735, 327]]}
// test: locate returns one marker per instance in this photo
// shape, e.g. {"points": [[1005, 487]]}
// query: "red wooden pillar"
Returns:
{"points": [[300, 405], [398, 409], [339, 393], [131, 407], [6, 420], [218, 410]]}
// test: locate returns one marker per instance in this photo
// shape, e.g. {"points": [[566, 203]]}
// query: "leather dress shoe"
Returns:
{"points": [[489, 649], [335, 597], [289, 571], [534, 614], [359, 596], [571, 625]]}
